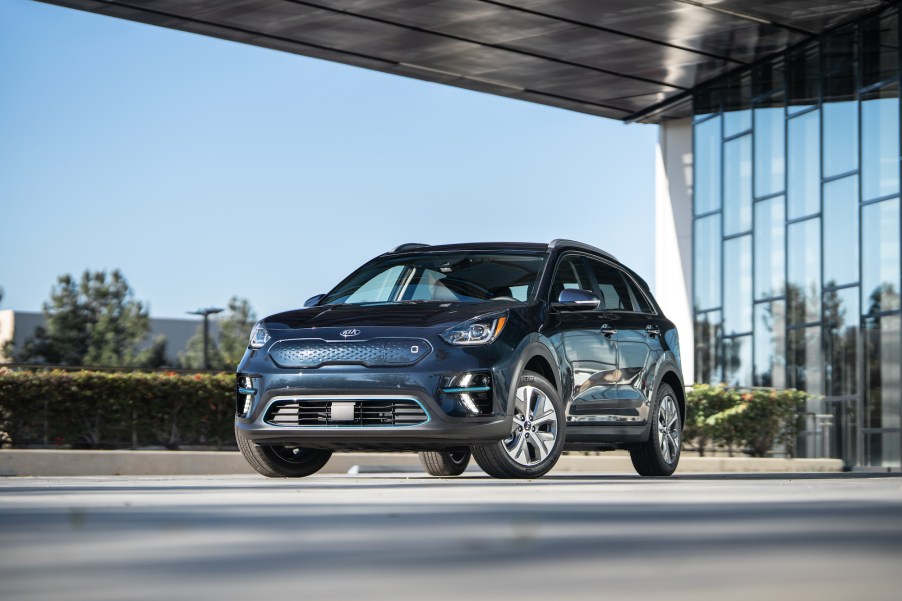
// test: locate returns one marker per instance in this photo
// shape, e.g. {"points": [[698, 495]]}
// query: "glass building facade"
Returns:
{"points": [[796, 218]]}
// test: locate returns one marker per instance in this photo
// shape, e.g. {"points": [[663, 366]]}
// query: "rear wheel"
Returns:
{"points": [[283, 461], [537, 433], [660, 455], [452, 462]]}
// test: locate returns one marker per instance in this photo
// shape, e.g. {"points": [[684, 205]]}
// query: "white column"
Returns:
{"points": [[673, 233]]}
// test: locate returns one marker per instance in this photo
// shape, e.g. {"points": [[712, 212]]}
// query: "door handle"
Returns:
{"points": [[652, 330], [608, 330]]}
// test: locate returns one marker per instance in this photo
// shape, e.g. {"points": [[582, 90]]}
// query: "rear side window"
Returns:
{"points": [[612, 287], [639, 299]]}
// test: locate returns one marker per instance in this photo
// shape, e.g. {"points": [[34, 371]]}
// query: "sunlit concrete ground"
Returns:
{"points": [[406, 536]]}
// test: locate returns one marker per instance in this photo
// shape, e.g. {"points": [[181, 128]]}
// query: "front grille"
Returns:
{"points": [[368, 412], [379, 352]]}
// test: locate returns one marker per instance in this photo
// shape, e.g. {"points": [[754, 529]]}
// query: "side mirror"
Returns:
{"points": [[572, 299], [313, 300]]}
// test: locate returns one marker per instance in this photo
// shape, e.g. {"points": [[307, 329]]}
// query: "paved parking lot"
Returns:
{"points": [[406, 536]]}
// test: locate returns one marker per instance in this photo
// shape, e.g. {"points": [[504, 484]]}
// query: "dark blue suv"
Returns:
{"points": [[506, 352]]}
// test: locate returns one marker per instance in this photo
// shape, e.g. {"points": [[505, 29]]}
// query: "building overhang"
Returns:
{"points": [[632, 60]]}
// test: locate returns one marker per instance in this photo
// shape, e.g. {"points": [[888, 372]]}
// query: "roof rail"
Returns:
{"points": [[557, 242], [407, 246]]}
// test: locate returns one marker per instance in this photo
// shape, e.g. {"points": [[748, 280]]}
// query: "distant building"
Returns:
{"points": [[19, 326]]}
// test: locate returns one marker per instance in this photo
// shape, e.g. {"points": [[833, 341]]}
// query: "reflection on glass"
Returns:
{"points": [[880, 48], [737, 355], [883, 449], [841, 231], [840, 51], [803, 359], [840, 138], [803, 288], [804, 178], [841, 341], [803, 79], [707, 347], [880, 143], [707, 262], [737, 185], [769, 166], [880, 256], [769, 247], [737, 289], [707, 141], [882, 372], [770, 344]]}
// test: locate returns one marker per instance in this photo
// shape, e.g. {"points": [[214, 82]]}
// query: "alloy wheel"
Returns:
{"points": [[669, 429], [535, 427]]}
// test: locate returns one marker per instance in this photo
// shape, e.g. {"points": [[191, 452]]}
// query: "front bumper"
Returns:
{"points": [[419, 383]]}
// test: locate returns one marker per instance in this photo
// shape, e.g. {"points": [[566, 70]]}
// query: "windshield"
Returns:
{"points": [[469, 277]]}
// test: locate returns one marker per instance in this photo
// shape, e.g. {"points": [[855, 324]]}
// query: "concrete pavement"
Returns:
{"points": [[566, 536]]}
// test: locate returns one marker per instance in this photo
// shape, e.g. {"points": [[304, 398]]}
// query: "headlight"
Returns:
{"points": [[259, 336], [481, 330]]}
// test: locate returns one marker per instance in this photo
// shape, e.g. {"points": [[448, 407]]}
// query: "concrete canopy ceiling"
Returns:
{"points": [[632, 60]]}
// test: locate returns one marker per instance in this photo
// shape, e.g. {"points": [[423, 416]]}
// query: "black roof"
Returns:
{"points": [[533, 246], [623, 59]]}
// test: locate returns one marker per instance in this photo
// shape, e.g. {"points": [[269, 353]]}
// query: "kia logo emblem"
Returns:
{"points": [[349, 333]]}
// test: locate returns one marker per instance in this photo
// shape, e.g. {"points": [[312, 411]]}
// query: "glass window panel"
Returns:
{"points": [[737, 353], [769, 151], [707, 140], [803, 288], [882, 372], [841, 231], [737, 185], [707, 348], [767, 77], [737, 289], [804, 360], [737, 98], [880, 48], [803, 78], [804, 179], [770, 344], [880, 143], [840, 138], [883, 449], [770, 235], [880, 256], [707, 262], [841, 321]]}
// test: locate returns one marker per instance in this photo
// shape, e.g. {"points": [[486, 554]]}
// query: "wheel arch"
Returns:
{"points": [[536, 357], [671, 378]]}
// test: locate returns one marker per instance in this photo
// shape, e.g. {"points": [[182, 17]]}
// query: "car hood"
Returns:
{"points": [[399, 315]]}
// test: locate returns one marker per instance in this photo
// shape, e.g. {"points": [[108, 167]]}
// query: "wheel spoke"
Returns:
{"points": [[546, 418], [541, 449]]}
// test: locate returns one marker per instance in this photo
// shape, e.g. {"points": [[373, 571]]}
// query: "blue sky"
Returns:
{"points": [[205, 169]]}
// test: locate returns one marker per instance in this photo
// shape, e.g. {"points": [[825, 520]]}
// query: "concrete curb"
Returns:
{"points": [[22, 462]]}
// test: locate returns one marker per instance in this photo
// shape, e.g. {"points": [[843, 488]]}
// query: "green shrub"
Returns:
{"points": [[92, 409], [755, 420]]}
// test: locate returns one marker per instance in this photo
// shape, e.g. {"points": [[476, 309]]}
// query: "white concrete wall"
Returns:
{"points": [[673, 233]]}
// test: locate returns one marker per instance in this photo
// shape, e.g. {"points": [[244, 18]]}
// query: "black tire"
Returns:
{"points": [[660, 454], [452, 462], [282, 461], [498, 459]]}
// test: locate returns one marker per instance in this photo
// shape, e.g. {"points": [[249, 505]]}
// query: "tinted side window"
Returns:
{"points": [[571, 273], [642, 304], [612, 288]]}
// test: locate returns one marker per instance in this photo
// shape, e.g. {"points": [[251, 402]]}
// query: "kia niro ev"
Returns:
{"points": [[507, 352]]}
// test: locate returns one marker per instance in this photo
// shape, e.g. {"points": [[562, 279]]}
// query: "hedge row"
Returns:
{"points": [[92, 409], [753, 421]]}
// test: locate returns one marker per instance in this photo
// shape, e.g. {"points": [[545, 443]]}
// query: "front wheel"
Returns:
{"points": [[537, 433], [284, 461], [660, 454], [445, 463]]}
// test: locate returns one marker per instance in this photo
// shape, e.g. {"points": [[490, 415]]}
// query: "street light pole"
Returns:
{"points": [[206, 313]]}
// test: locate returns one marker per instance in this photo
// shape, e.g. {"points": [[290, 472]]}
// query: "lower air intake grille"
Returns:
{"points": [[370, 412]]}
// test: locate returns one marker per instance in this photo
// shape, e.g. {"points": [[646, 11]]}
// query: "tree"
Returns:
{"points": [[227, 348], [94, 321], [6, 350]]}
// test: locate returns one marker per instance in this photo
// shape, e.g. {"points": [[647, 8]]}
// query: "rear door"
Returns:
{"points": [[638, 341]]}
